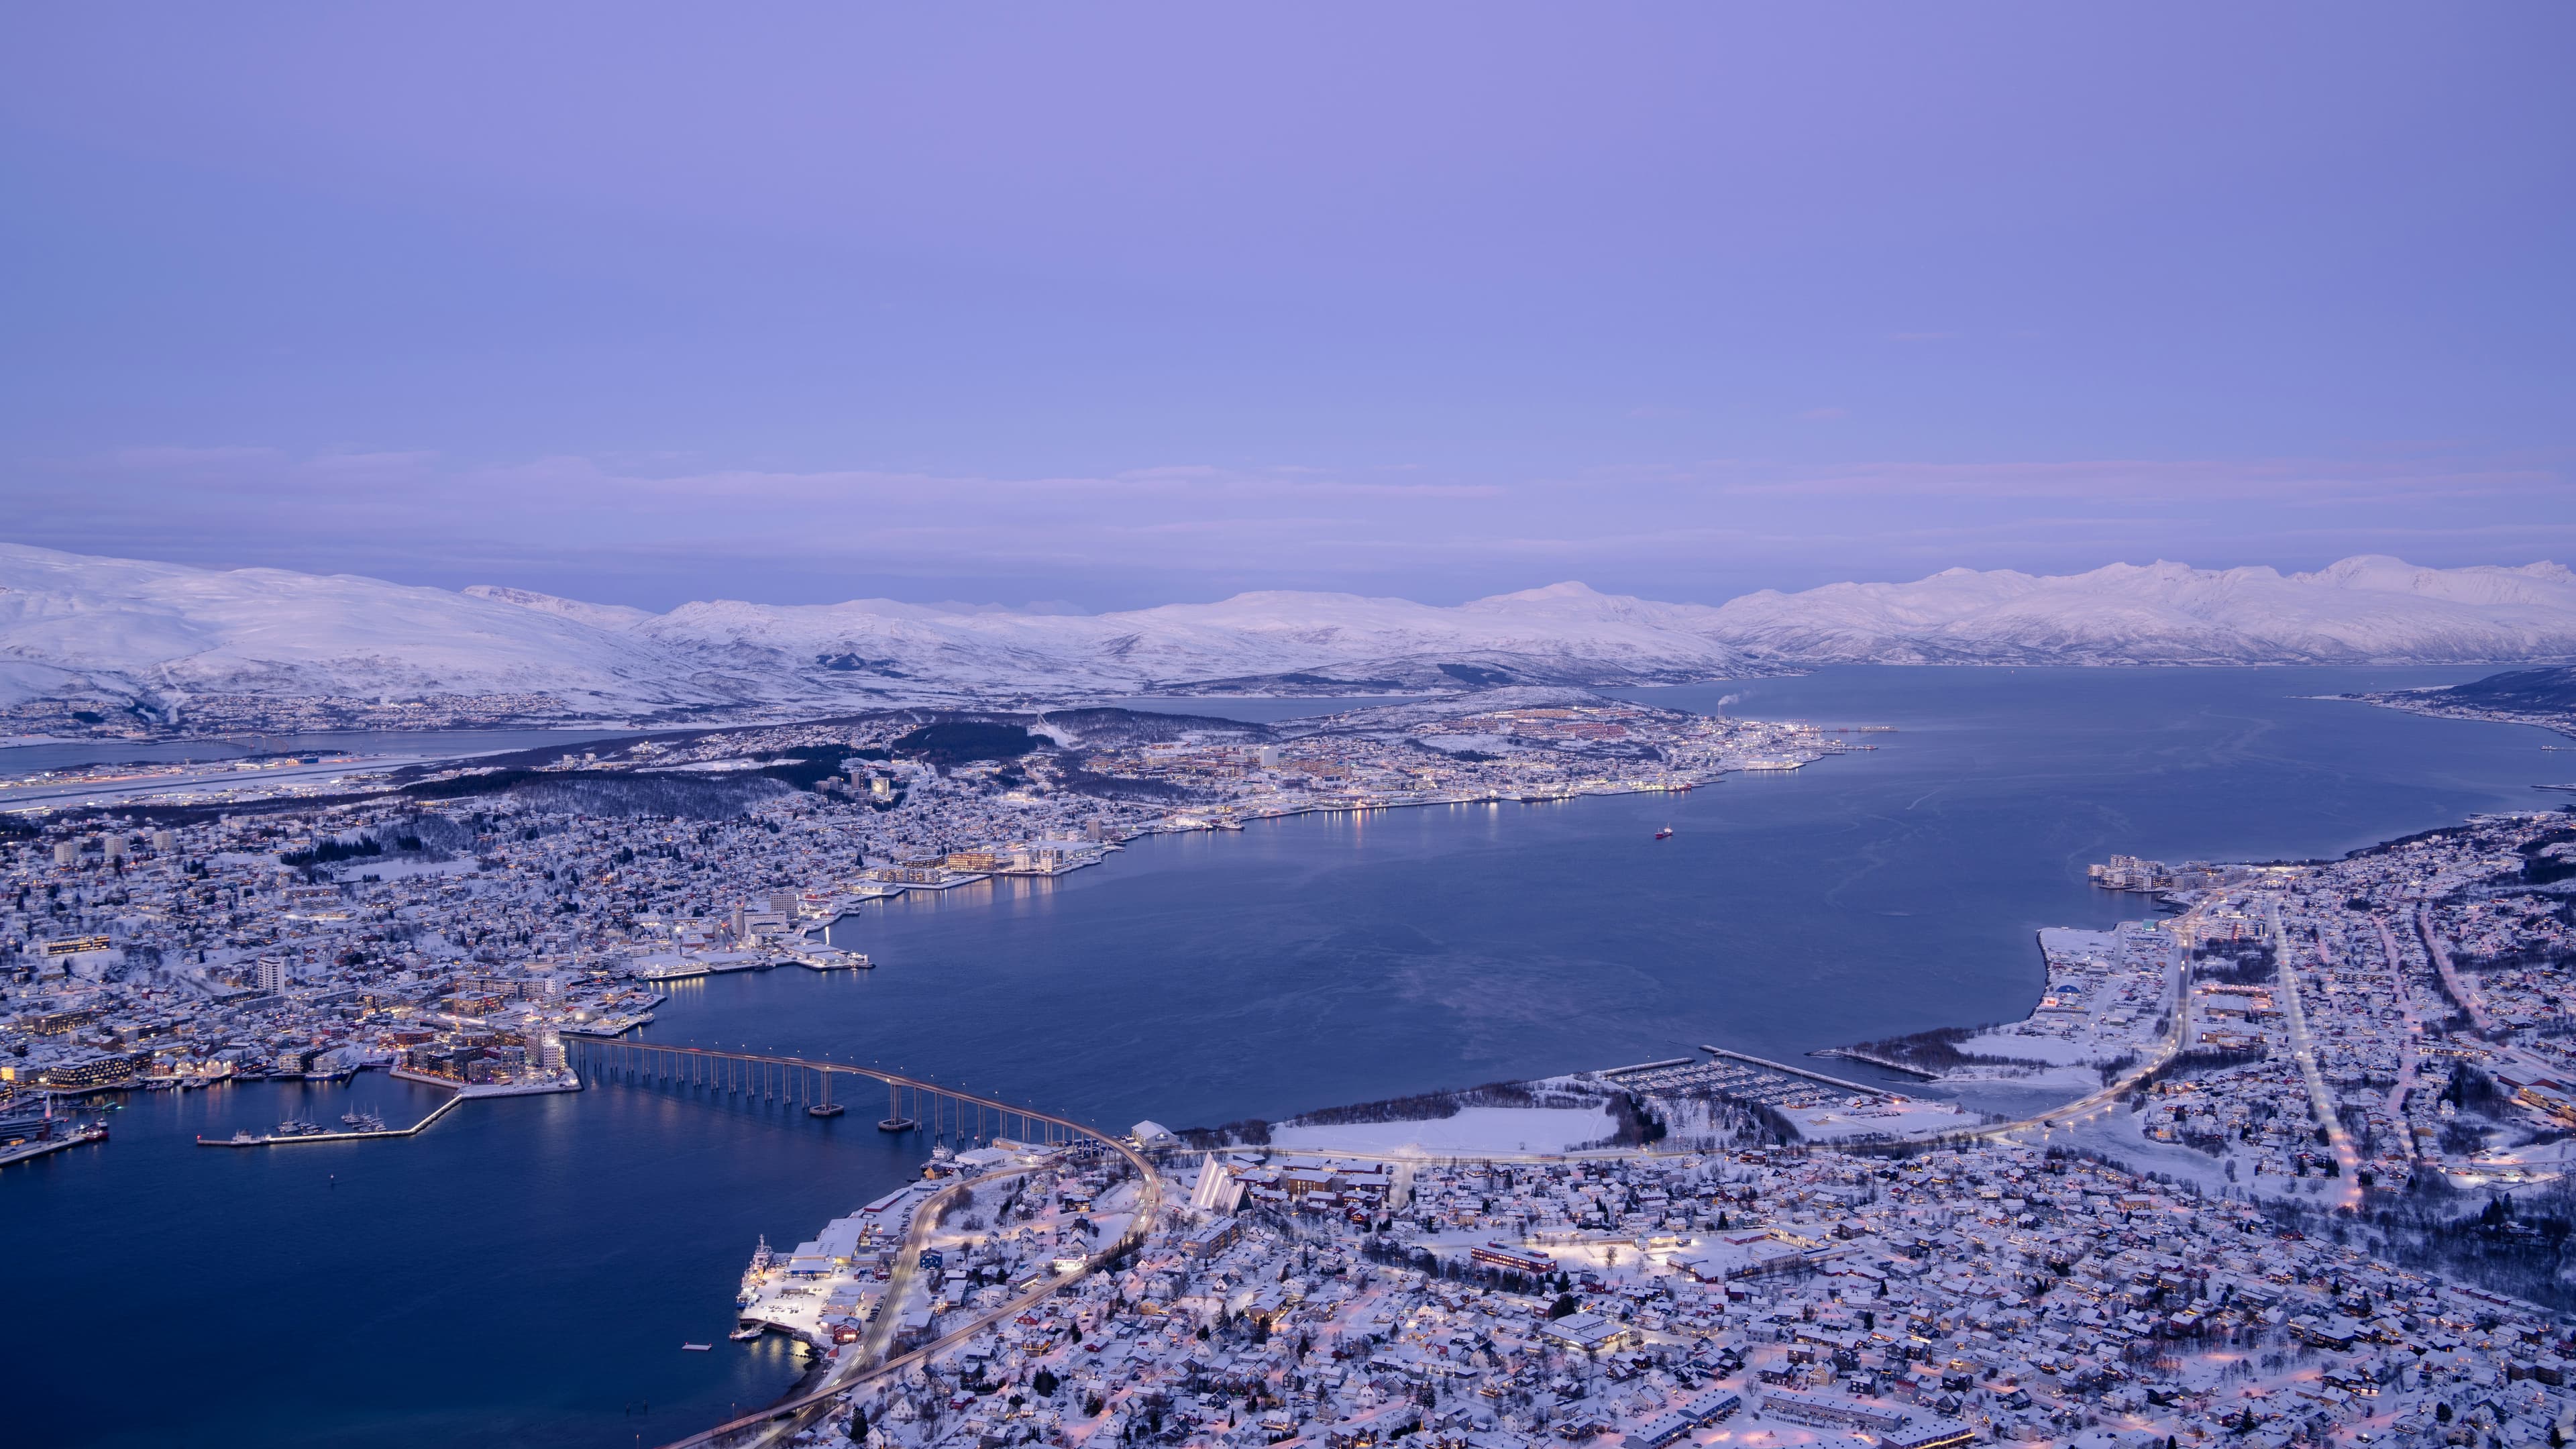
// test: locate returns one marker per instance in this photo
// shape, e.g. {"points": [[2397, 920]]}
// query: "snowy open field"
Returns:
{"points": [[1474, 1129], [1827, 1124]]}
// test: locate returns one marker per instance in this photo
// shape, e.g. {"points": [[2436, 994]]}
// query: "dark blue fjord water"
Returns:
{"points": [[524, 1273]]}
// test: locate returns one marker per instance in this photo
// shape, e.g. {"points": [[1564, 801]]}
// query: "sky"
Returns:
{"points": [[1126, 304]]}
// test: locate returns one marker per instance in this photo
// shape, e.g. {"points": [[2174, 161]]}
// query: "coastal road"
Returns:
{"points": [[784, 1420], [2069, 1113]]}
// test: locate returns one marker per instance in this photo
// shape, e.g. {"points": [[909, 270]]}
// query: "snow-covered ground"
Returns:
{"points": [[1473, 1129], [383, 868], [1829, 1124], [2017, 1098], [2057, 1051], [2118, 1135]]}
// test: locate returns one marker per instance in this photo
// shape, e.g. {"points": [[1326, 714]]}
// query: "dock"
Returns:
{"points": [[38, 1147], [1855, 1054], [373, 1134], [607, 1026], [1770, 1065], [816, 956], [244, 1139]]}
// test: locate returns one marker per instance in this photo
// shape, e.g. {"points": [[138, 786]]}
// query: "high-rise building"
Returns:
{"points": [[272, 974]]}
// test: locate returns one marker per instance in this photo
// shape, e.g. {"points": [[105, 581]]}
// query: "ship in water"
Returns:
{"points": [[1664, 834], [26, 1134], [761, 1259]]}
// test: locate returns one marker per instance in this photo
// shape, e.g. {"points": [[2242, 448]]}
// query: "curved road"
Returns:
{"points": [[784, 1420]]}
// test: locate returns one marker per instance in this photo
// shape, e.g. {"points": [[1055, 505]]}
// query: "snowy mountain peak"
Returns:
{"points": [[605, 616], [74, 627], [1570, 589]]}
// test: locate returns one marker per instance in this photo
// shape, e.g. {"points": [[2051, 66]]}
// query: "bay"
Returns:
{"points": [[524, 1272]]}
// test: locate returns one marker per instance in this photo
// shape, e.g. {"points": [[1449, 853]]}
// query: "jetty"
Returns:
{"points": [[33, 1147], [287, 1139], [1855, 1054], [1849, 1086], [379, 1134]]}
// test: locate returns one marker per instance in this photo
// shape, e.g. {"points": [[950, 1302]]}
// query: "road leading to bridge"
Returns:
{"points": [[785, 1419]]}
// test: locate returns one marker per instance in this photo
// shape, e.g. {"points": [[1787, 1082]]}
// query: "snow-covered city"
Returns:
{"points": [[2278, 1159], [1176, 726]]}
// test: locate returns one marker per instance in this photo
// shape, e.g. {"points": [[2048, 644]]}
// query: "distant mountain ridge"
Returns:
{"points": [[127, 632]]}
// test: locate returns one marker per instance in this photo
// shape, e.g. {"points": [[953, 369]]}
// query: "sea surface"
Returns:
{"points": [[524, 1273]]}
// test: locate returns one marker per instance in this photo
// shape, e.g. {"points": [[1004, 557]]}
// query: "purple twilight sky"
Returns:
{"points": [[1122, 304]]}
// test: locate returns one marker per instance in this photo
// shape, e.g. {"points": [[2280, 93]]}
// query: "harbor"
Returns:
{"points": [[369, 1127], [24, 1139], [1748, 929]]}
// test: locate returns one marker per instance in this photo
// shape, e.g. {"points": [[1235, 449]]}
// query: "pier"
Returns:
{"points": [[1885, 1064], [369, 1135], [1813, 1076], [457, 1092], [37, 1147]]}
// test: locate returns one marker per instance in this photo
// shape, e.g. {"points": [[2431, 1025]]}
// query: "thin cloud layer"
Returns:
{"points": [[653, 535]]}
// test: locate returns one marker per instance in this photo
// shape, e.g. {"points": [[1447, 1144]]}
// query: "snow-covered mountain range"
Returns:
{"points": [[116, 630]]}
